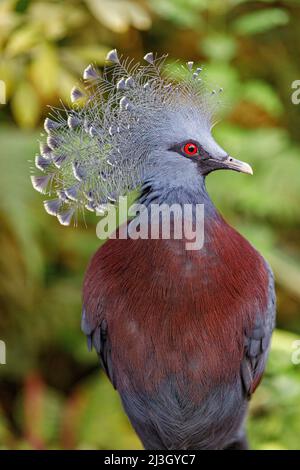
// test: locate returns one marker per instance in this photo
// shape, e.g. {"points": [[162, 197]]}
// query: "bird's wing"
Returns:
{"points": [[257, 343], [98, 337]]}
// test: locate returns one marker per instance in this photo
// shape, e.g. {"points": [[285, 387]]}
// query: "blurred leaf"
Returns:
{"points": [[123, 14], [57, 19], [140, 18], [261, 21], [19, 210], [287, 271], [22, 40], [39, 412], [221, 74], [259, 234], [184, 13], [91, 53], [26, 105], [8, 19], [219, 47], [257, 144], [66, 81], [44, 70], [262, 94], [274, 409]]}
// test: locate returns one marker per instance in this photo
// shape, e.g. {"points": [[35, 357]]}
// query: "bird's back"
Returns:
{"points": [[169, 325]]}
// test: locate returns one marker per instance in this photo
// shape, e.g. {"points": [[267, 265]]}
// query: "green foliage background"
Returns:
{"points": [[52, 394]]}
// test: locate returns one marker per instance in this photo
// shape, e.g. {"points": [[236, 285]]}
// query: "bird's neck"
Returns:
{"points": [[194, 195]]}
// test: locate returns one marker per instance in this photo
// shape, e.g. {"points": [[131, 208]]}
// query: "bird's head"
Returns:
{"points": [[132, 124], [183, 149]]}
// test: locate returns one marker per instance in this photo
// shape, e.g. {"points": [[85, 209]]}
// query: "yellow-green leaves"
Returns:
{"points": [[8, 20], [44, 70], [45, 46], [26, 105], [260, 21], [22, 40], [120, 15], [219, 46]]}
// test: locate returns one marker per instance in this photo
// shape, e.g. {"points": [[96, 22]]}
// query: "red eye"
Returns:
{"points": [[190, 149]]}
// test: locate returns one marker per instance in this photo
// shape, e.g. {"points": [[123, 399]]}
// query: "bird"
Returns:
{"points": [[182, 334]]}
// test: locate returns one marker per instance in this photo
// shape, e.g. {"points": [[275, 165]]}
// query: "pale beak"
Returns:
{"points": [[237, 165]]}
